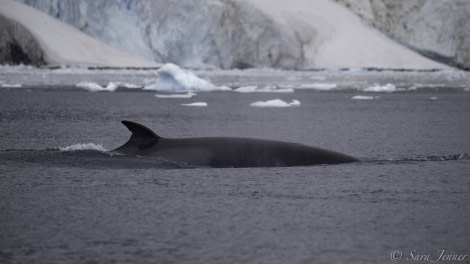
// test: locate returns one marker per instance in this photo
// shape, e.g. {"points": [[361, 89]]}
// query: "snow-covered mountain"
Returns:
{"points": [[295, 34]]}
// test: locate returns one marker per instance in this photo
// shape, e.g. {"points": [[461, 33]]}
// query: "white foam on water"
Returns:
{"points": [[85, 146]]}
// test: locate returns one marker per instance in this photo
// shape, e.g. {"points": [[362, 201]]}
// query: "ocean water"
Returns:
{"points": [[64, 199]]}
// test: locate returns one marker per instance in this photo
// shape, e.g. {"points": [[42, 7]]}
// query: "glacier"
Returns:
{"points": [[227, 34], [33, 37]]}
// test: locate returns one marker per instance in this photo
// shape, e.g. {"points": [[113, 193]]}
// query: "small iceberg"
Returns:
{"points": [[364, 97], [178, 96], [265, 89], [319, 86], [173, 78], [387, 88], [128, 85], [94, 87], [275, 103], [197, 104], [11, 85]]}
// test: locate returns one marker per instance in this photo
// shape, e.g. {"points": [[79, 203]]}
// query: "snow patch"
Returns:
{"points": [[275, 103], [198, 104], [387, 88], [173, 78], [86, 146]]}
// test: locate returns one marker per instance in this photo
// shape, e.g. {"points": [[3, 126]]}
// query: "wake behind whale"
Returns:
{"points": [[226, 151]]}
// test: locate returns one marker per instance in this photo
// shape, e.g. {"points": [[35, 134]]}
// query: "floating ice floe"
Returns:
{"points": [[198, 104], [173, 78], [364, 97], [182, 96], [265, 89], [86, 146], [275, 103], [319, 86], [94, 87], [387, 88], [11, 85], [128, 85]]}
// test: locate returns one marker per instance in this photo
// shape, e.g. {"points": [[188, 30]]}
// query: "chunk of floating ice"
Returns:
{"points": [[266, 89], [173, 78], [186, 95], [111, 87], [363, 97], [199, 104], [129, 85], [86, 146], [10, 85], [388, 88], [94, 87], [275, 103], [318, 86], [90, 86], [295, 103]]}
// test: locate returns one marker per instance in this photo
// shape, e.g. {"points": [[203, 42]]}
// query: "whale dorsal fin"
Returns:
{"points": [[140, 132], [142, 137]]}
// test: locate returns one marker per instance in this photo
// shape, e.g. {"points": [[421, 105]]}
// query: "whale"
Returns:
{"points": [[226, 152]]}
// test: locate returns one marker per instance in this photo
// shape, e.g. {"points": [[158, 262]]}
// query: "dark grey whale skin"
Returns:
{"points": [[222, 152]]}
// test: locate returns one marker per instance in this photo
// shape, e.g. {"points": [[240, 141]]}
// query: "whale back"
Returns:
{"points": [[226, 151]]}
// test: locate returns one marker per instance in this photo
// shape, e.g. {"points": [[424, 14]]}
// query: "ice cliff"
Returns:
{"points": [[295, 34]]}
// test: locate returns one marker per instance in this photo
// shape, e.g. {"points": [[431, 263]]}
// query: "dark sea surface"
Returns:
{"points": [[408, 198]]}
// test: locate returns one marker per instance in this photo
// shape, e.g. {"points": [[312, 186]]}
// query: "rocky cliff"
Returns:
{"points": [[438, 29]]}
